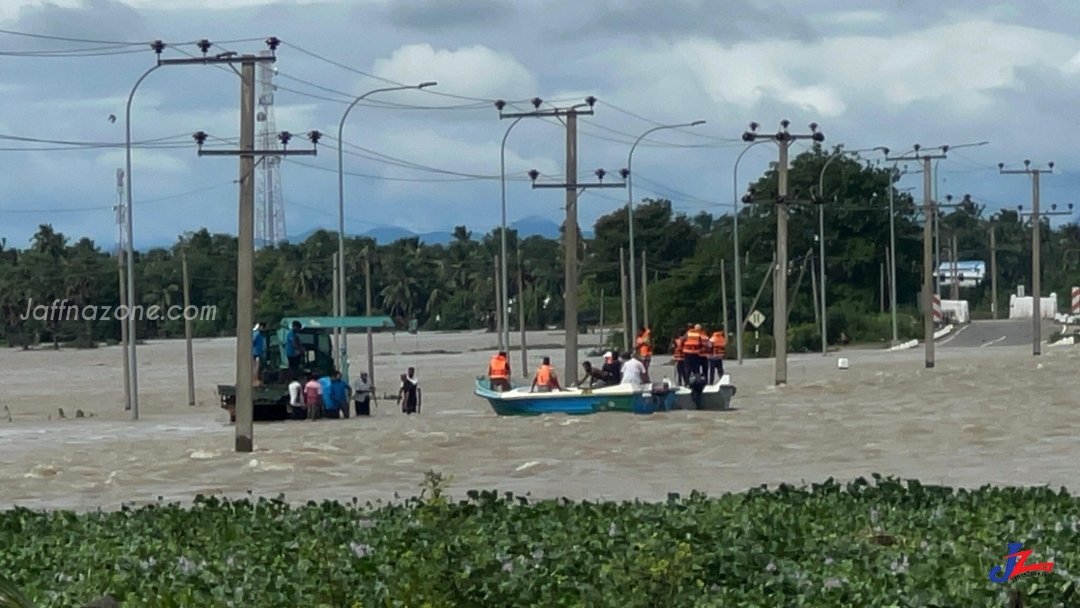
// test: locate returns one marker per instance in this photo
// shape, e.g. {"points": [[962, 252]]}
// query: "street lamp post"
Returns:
{"points": [[504, 280], [630, 212], [341, 216], [158, 47], [738, 263], [821, 241]]}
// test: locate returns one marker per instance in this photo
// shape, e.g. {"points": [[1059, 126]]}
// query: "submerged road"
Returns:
{"points": [[990, 334]]}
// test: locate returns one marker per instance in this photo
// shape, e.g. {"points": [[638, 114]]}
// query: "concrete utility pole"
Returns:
{"points": [[1036, 245], [521, 311], [644, 291], [120, 252], [993, 271], [783, 139], [245, 282], [928, 238], [622, 290], [367, 311], [572, 188], [158, 47], [723, 296], [342, 355], [190, 355], [570, 243], [954, 287], [335, 286]]}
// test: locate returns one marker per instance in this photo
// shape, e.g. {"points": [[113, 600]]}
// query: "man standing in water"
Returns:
{"points": [[409, 396]]}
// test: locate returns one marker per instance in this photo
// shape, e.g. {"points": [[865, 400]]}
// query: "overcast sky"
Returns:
{"points": [[890, 73]]}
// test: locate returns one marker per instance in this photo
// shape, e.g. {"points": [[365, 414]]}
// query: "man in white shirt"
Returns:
{"points": [[633, 371], [296, 402], [362, 395]]}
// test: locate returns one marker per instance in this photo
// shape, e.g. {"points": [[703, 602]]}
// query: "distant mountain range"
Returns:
{"points": [[533, 225], [530, 226]]}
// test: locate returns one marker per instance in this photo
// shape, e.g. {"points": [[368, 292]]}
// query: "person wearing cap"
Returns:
{"points": [[612, 368]]}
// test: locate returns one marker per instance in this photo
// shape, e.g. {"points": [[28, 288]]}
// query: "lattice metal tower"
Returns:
{"points": [[121, 215], [270, 206]]}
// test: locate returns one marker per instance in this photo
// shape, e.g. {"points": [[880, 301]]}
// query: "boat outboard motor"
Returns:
{"points": [[697, 386]]}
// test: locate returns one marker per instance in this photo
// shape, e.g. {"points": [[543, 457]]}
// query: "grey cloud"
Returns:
{"points": [[431, 15], [726, 20], [91, 20]]}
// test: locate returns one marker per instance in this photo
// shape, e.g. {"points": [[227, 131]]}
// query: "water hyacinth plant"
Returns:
{"points": [[880, 543]]}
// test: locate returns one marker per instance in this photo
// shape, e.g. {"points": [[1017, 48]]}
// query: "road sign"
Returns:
{"points": [[756, 319]]}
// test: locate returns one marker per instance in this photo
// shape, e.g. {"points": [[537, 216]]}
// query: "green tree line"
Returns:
{"points": [[449, 287]]}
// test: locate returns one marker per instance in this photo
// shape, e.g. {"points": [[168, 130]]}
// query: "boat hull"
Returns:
{"points": [[714, 397], [575, 402]]}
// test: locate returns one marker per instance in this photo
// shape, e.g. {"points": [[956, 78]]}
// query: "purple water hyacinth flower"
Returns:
{"points": [[361, 551], [508, 566], [186, 565]]}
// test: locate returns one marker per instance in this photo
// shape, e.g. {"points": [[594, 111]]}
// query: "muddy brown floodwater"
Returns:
{"points": [[983, 415]]}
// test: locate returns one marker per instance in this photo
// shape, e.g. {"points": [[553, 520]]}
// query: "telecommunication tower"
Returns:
{"points": [[121, 215], [269, 207]]}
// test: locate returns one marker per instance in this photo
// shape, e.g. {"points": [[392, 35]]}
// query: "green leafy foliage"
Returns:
{"points": [[885, 543], [451, 287]]}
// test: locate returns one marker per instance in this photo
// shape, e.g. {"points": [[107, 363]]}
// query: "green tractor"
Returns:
{"points": [[271, 395]]}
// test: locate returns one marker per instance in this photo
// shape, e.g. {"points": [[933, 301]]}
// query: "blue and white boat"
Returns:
{"points": [[520, 401]]}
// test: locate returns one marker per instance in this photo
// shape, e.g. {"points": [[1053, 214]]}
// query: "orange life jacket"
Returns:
{"points": [[719, 344], [499, 369], [694, 340], [678, 352], [644, 344], [543, 376]]}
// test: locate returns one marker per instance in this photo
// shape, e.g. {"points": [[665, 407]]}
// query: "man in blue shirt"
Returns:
{"points": [[335, 395], [339, 394], [258, 349], [294, 350]]}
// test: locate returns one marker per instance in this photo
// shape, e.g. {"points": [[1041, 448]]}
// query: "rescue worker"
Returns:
{"points": [[499, 372], [644, 345], [681, 377], [546, 380], [717, 350], [694, 343]]}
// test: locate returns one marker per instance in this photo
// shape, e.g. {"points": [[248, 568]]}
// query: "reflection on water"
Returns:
{"points": [[981, 416]]}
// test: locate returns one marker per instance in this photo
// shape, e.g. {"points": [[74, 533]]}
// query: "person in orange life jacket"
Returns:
{"points": [[680, 362], [499, 372], [717, 350], [546, 380], [644, 345], [694, 343]]}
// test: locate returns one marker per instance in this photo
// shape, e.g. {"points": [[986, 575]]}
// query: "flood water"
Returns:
{"points": [[982, 415]]}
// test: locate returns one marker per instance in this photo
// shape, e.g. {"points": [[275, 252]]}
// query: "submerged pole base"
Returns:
{"points": [[244, 444]]}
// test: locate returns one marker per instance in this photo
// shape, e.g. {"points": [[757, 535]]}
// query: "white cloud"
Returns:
{"points": [[959, 64], [475, 71], [144, 160]]}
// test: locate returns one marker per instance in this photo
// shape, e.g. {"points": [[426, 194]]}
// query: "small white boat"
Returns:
{"points": [[712, 397]]}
